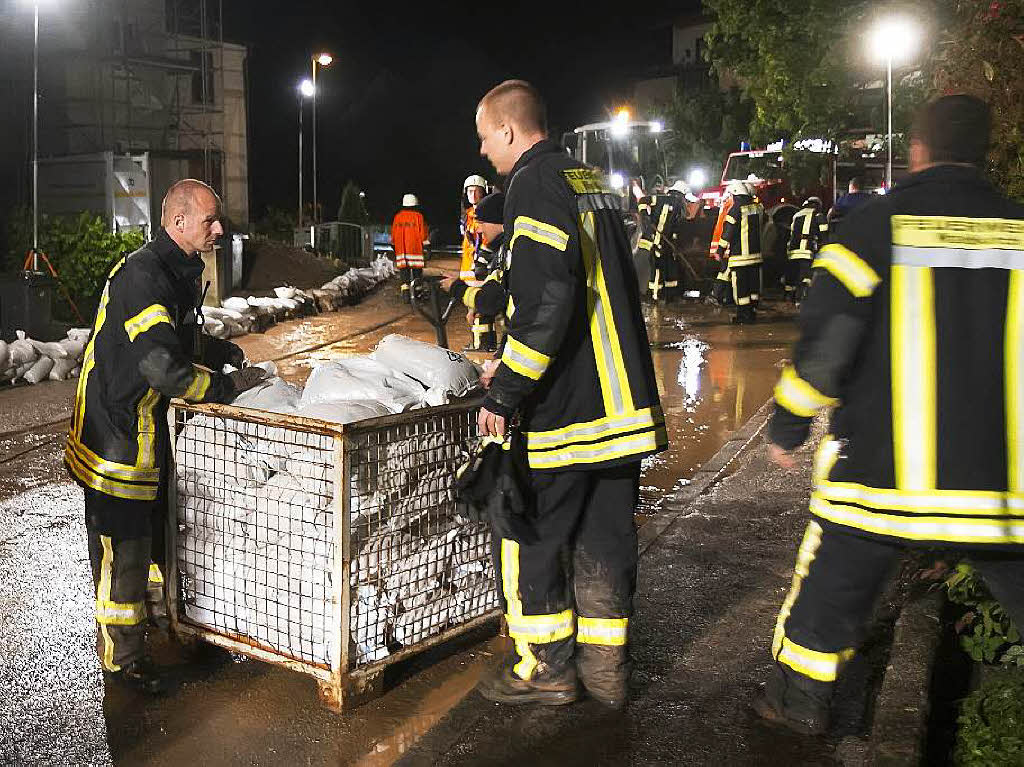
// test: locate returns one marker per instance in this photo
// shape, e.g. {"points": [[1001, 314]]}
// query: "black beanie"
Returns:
{"points": [[491, 209]]}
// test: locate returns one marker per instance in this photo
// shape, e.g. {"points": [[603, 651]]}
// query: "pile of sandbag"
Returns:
{"points": [[349, 287], [31, 361]]}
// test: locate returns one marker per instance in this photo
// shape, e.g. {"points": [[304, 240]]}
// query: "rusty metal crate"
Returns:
{"points": [[332, 550]]}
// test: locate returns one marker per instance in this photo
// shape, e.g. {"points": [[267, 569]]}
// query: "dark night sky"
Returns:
{"points": [[396, 108]]}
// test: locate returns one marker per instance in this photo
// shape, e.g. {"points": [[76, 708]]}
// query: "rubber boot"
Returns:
{"points": [[549, 688], [745, 315], [156, 603], [795, 701], [604, 672], [141, 675]]}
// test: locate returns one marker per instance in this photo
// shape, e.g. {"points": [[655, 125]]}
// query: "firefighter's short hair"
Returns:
{"points": [[519, 103], [955, 128]]}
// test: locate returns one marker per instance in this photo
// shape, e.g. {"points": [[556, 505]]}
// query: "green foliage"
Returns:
{"points": [[986, 632], [352, 209], [990, 729], [276, 224], [81, 248]]}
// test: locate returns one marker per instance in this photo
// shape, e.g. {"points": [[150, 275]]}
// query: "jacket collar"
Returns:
{"points": [[959, 174], [544, 146], [182, 265]]}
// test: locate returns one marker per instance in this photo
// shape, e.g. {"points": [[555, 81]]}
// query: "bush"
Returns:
{"points": [[81, 248], [986, 632], [991, 725]]}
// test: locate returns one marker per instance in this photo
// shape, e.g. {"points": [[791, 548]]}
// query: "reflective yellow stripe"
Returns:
{"points": [[120, 613], [523, 360], [730, 219], [983, 503], [644, 244], [631, 444], [111, 469], [1014, 382], [823, 666], [913, 377], [603, 631], [155, 576], [599, 428], [89, 361], [611, 370], [546, 234], [745, 259], [147, 429], [469, 297], [950, 529], [849, 268], [103, 595], [147, 318], [960, 233], [541, 629], [510, 588], [141, 492], [805, 555], [660, 231], [825, 458], [199, 386], [798, 396]]}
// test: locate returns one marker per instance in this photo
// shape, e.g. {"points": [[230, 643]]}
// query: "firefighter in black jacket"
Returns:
{"points": [[139, 355], [661, 215], [486, 296], [741, 240], [576, 368], [914, 328], [807, 235]]}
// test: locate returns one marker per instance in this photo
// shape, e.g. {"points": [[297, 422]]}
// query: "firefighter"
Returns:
{"points": [[661, 216], [474, 189], [914, 328], [576, 371], [485, 296], [139, 355], [807, 234], [846, 204], [409, 235], [739, 249]]}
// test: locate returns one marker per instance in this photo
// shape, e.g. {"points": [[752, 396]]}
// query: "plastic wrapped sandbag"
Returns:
{"points": [[50, 349], [360, 379], [62, 369], [215, 328], [433, 366], [22, 351], [344, 411], [75, 372], [39, 371], [74, 348], [237, 304], [223, 313], [21, 370], [80, 334], [285, 292], [276, 396]]}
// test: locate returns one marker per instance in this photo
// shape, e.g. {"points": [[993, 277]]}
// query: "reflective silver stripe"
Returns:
{"points": [[633, 444], [601, 427], [957, 258], [522, 364], [549, 235], [539, 629], [924, 501]]}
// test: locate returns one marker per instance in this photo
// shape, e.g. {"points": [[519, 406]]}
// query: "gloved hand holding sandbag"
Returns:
{"points": [[246, 378]]}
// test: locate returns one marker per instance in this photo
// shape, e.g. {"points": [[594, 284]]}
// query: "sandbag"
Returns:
{"points": [[80, 334], [74, 348], [436, 368], [51, 349], [360, 379], [285, 292], [275, 396], [62, 369], [39, 371], [236, 304], [22, 351], [343, 412]]}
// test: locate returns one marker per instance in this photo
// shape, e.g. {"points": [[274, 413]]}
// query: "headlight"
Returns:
{"points": [[697, 178], [617, 181]]}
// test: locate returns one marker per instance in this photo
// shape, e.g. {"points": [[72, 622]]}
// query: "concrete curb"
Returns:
{"points": [[900, 725]]}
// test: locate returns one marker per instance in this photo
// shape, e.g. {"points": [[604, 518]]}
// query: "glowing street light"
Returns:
{"points": [[323, 59], [893, 38], [697, 178], [306, 90]]}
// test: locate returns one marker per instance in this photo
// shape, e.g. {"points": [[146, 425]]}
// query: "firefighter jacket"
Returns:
{"points": [[914, 328], [716, 235], [139, 356], [741, 233], [576, 362], [471, 243], [488, 296], [408, 233], [807, 233], [660, 216]]}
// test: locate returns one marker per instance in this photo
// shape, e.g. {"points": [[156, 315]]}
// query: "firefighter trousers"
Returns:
{"points": [[576, 584], [408, 274], [746, 284], [664, 280], [798, 277], [120, 550], [484, 335], [838, 578]]}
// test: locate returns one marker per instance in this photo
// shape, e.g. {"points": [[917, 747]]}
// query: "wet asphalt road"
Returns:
{"points": [[224, 710]]}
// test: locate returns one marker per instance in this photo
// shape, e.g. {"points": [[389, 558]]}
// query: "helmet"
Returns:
{"points": [[684, 189], [410, 201], [474, 180], [813, 201], [739, 187]]}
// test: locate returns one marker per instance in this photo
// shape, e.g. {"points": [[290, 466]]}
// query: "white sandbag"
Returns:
{"points": [[50, 349], [360, 379], [74, 349], [62, 369], [39, 371], [275, 396], [215, 328], [289, 304], [222, 313], [285, 292], [343, 411], [236, 303], [5, 356], [75, 371], [80, 334], [22, 351], [433, 366], [21, 370]]}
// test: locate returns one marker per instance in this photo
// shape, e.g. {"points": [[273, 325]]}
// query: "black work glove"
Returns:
{"points": [[246, 378], [218, 352], [493, 487]]}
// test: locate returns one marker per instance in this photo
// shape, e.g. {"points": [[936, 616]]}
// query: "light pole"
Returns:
{"points": [[323, 59], [35, 139], [306, 90], [892, 38]]}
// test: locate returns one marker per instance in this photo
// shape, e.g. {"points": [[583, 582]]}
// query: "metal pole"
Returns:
{"points": [[316, 215], [35, 142], [888, 161], [300, 160]]}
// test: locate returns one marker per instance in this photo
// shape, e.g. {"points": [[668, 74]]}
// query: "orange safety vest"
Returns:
{"points": [[408, 233], [720, 225], [470, 242]]}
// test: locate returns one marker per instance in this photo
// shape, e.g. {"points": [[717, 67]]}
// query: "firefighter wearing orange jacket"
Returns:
{"points": [[408, 236], [474, 188]]}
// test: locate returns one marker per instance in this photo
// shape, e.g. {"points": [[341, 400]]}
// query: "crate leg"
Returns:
{"points": [[332, 695]]}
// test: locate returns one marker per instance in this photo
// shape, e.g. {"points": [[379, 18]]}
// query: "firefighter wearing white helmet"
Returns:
{"points": [[409, 235], [741, 240], [473, 190], [661, 216], [806, 236]]}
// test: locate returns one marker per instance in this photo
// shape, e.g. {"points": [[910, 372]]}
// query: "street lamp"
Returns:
{"points": [[35, 137], [306, 90], [892, 38], [323, 59]]}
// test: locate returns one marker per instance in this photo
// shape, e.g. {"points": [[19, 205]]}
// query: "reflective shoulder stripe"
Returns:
{"points": [[849, 268], [152, 315], [196, 390], [545, 234], [524, 360], [799, 397], [469, 297]]}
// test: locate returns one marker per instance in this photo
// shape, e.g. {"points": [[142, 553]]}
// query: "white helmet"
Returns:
{"points": [[739, 187], [410, 201], [474, 180]]}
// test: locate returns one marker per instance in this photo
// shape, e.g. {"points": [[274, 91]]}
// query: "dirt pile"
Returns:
{"points": [[268, 265]]}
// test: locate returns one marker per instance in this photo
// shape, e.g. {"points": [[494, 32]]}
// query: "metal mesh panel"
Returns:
{"points": [[416, 567], [255, 541]]}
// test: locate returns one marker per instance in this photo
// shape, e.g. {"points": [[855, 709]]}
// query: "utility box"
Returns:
{"points": [[26, 303]]}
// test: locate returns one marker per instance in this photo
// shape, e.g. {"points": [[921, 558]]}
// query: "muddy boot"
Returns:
{"points": [[745, 315], [547, 689], [156, 604], [141, 675], [604, 672], [795, 701]]}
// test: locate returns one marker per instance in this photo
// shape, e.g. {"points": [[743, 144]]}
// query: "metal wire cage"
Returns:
{"points": [[334, 550]]}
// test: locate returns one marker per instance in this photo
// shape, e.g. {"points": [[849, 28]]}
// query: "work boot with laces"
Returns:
{"points": [[142, 675], [795, 701], [547, 688]]}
